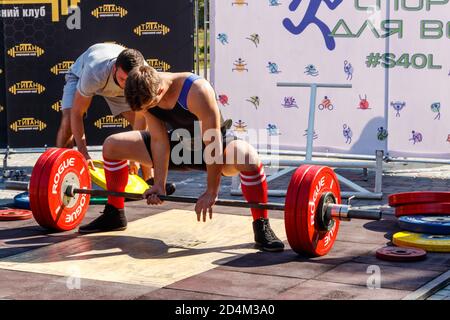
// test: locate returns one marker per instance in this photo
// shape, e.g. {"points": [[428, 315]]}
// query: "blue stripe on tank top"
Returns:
{"points": [[182, 99]]}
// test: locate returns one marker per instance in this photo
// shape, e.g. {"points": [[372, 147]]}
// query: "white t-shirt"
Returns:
{"points": [[94, 70]]}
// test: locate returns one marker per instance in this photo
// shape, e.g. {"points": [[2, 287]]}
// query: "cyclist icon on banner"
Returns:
{"points": [[326, 104]]}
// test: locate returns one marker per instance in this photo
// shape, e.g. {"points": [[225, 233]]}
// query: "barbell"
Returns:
{"points": [[60, 190]]}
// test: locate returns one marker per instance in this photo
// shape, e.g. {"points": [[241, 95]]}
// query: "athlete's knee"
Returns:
{"points": [[241, 153], [111, 146]]}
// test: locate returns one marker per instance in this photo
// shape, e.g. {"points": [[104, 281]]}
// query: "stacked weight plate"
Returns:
{"points": [[425, 219], [135, 183]]}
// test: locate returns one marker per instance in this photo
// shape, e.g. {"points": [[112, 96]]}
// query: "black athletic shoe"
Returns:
{"points": [[170, 187], [265, 238], [112, 219]]}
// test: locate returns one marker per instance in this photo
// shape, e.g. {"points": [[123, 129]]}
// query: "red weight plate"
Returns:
{"points": [[291, 204], [15, 214], [44, 181], [67, 167], [34, 186], [403, 254], [317, 181], [45, 216], [302, 219], [405, 198], [423, 209]]}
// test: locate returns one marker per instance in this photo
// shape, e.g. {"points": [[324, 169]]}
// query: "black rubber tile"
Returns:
{"points": [[33, 286], [236, 284], [389, 277], [321, 290], [434, 261], [287, 264], [175, 294], [341, 252]]}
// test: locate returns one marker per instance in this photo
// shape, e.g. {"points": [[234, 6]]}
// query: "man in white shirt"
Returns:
{"points": [[101, 70]]}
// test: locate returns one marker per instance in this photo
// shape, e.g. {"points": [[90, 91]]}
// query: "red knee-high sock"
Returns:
{"points": [[116, 173], [254, 188]]}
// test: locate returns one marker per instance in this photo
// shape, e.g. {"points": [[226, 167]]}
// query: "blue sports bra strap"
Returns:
{"points": [[182, 99]]}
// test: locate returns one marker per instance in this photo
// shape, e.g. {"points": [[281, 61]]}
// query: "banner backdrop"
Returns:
{"points": [[42, 39], [337, 42], [419, 87]]}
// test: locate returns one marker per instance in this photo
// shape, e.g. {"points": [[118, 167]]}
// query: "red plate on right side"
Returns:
{"points": [[423, 209], [317, 181], [406, 198], [290, 213], [400, 254]]}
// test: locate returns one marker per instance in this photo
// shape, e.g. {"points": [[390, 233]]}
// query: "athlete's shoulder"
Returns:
{"points": [[105, 46]]}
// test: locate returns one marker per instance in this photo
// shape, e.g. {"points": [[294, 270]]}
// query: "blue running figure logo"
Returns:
{"points": [[223, 38], [310, 18]]}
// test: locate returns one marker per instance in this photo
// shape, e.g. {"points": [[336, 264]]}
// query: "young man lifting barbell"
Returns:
{"points": [[173, 104]]}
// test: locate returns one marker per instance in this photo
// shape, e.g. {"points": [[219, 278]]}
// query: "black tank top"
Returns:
{"points": [[180, 117]]}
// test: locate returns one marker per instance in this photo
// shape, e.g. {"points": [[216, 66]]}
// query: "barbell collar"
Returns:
{"points": [[346, 213]]}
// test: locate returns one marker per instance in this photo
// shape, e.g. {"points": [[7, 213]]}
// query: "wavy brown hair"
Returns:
{"points": [[141, 87], [128, 59]]}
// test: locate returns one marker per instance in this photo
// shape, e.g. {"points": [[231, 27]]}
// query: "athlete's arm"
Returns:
{"points": [[79, 107], [160, 149], [202, 103]]}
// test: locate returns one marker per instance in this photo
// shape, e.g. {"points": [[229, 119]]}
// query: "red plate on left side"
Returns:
{"points": [[15, 214], [67, 167]]}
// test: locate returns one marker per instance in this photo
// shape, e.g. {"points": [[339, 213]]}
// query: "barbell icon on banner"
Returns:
{"points": [[60, 190]]}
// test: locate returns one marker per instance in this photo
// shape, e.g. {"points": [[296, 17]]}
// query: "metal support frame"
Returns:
{"points": [[9, 151], [288, 165]]}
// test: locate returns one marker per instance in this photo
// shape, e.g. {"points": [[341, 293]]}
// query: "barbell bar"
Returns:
{"points": [[339, 211], [60, 190]]}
